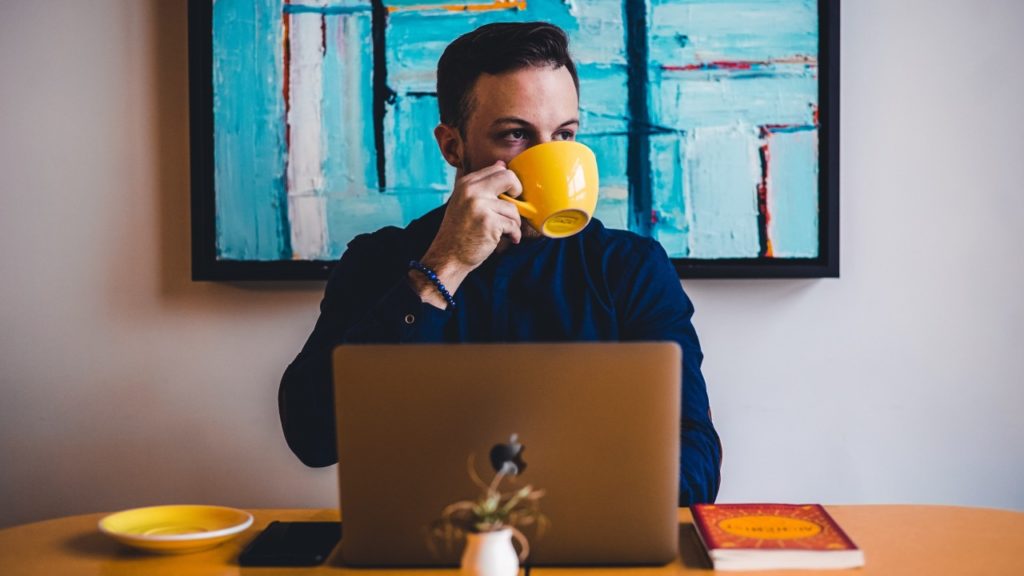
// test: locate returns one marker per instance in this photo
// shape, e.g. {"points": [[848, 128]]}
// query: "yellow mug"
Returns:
{"points": [[560, 187]]}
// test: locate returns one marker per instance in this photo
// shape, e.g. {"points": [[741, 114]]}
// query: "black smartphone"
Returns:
{"points": [[292, 544]]}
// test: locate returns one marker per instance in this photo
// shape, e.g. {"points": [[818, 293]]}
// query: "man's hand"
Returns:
{"points": [[474, 224]]}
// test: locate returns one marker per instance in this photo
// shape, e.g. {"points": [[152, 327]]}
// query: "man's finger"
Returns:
{"points": [[517, 187], [511, 228], [507, 209], [503, 182], [483, 172]]}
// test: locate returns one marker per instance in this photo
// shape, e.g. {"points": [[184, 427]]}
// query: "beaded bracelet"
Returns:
{"points": [[432, 276]]}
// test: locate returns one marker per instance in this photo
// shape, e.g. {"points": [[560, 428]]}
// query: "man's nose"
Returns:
{"points": [[542, 139]]}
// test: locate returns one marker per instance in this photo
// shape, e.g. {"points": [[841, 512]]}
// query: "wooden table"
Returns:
{"points": [[897, 540]]}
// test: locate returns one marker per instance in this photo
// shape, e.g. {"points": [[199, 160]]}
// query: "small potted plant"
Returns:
{"points": [[490, 523]]}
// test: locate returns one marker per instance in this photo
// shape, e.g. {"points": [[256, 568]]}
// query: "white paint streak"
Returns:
{"points": [[598, 19], [614, 192], [305, 152], [308, 216], [350, 44], [723, 167]]}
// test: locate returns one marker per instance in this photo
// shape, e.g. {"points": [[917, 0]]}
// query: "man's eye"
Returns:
{"points": [[515, 135], [565, 135]]}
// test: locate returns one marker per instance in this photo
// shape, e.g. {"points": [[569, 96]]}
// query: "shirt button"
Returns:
{"points": [[409, 318]]}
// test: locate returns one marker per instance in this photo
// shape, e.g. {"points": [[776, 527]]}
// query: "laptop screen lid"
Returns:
{"points": [[598, 422]]}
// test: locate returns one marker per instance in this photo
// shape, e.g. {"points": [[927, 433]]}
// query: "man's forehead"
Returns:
{"points": [[517, 121], [533, 95]]}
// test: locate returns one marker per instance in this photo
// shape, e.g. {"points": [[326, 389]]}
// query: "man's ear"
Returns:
{"points": [[449, 140]]}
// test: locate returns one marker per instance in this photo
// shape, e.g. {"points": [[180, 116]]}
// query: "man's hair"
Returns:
{"points": [[495, 49]]}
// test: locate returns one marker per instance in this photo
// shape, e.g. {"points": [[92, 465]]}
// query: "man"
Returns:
{"points": [[472, 270]]}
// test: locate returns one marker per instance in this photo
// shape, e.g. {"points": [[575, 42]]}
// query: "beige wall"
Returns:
{"points": [[123, 383]]}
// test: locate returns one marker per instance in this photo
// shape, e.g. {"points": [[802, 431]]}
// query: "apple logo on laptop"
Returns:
{"points": [[508, 458]]}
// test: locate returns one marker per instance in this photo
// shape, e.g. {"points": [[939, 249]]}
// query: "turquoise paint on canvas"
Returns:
{"points": [[249, 138], [720, 71], [720, 74], [720, 166], [672, 223], [694, 31], [349, 166], [793, 202]]}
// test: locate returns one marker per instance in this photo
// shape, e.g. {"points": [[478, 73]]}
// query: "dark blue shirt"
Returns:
{"points": [[600, 284]]}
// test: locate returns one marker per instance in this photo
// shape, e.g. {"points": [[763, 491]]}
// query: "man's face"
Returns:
{"points": [[516, 110]]}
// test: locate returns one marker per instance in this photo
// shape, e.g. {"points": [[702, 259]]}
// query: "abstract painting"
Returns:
{"points": [[714, 123]]}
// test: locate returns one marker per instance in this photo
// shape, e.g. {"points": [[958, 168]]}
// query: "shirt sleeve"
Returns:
{"points": [[368, 300], [657, 308]]}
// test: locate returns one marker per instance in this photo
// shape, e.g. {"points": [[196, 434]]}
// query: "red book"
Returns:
{"points": [[773, 536]]}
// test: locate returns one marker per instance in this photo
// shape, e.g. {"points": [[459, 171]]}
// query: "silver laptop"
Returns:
{"points": [[598, 424]]}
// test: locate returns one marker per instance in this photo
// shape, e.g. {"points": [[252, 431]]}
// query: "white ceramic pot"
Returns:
{"points": [[490, 554]]}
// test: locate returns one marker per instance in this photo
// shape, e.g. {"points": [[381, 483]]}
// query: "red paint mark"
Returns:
{"points": [[815, 112], [286, 88], [722, 65], [654, 217], [769, 129], [808, 61], [494, 5]]}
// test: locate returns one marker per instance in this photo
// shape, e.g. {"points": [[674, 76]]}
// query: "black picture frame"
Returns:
{"points": [[206, 266]]}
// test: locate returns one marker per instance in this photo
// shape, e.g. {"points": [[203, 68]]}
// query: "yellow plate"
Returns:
{"points": [[175, 529]]}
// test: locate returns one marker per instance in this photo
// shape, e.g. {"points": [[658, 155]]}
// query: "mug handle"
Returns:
{"points": [[525, 208]]}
